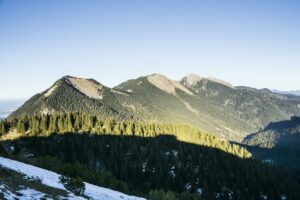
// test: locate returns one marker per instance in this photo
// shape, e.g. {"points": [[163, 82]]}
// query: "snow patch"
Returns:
{"points": [[118, 92], [264, 197], [172, 172], [283, 197], [7, 194], [188, 186], [144, 165], [268, 161], [200, 191], [189, 107], [47, 177], [175, 153], [31, 194], [52, 179]]}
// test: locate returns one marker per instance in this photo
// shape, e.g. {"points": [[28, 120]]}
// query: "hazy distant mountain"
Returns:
{"points": [[293, 92], [8, 106], [211, 104]]}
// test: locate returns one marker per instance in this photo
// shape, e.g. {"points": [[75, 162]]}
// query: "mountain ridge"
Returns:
{"points": [[210, 104]]}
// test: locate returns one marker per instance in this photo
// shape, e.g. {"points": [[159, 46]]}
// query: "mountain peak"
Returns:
{"points": [[191, 80], [86, 86], [167, 85]]}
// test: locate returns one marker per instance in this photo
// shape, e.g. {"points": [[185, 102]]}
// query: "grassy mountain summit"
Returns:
{"points": [[207, 103]]}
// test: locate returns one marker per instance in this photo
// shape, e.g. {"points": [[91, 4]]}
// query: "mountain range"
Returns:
{"points": [[293, 92], [8, 106], [213, 105]]}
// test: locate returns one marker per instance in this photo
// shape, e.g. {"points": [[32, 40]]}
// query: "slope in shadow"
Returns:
{"points": [[163, 162], [278, 144], [277, 126]]}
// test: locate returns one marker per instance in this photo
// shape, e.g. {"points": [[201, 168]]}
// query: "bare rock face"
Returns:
{"points": [[167, 85], [86, 87], [191, 80]]}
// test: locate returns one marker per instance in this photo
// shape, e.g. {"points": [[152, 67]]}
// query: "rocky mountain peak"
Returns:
{"points": [[191, 80], [167, 85]]}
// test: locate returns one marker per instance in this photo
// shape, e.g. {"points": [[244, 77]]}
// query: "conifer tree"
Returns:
{"points": [[60, 124], [21, 127], [44, 124], [34, 125], [108, 126], [69, 123], [2, 127], [53, 124], [77, 123], [117, 129]]}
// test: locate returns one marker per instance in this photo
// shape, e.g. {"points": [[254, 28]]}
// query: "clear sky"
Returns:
{"points": [[245, 42]]}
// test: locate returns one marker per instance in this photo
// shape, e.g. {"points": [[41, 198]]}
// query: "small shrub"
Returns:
{"points": [[74, 185]]}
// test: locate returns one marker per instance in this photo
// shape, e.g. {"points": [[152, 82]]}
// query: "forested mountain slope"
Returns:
{"points": [[282, 133], [278, 143], [214, 105], [44, 125], [254, 107], [206, 103], [155, 161]]}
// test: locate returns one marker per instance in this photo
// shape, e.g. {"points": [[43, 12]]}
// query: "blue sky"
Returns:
{"points": [[250, 42]]}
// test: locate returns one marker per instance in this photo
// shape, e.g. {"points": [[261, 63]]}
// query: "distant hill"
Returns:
{"points": [[294, 92], [8, 106], [281, 133], [208, 103], [278, 143]]}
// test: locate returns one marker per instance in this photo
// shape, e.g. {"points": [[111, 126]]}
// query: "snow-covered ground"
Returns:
{"points": [[52, 179], [25, 194]]}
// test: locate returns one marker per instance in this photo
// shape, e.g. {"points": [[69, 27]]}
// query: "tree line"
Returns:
{"points": [[78, 122]]}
